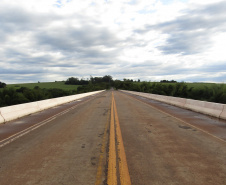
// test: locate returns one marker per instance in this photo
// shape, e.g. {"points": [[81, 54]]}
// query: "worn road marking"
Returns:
{"points": [[123, 167], [112, 177]]}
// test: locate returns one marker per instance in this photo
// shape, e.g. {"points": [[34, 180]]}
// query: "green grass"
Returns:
{"points": [[46, 85], [198, 85]]}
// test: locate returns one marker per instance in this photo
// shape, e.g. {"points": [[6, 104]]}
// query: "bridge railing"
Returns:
{"points": [[209, 108], [16, 111]]}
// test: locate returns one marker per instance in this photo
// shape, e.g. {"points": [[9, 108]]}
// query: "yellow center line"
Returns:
{"points": [[115, 134], [112, 177], [123, 167]]}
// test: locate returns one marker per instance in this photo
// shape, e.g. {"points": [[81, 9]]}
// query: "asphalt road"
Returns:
{"points": [[113, 138]]}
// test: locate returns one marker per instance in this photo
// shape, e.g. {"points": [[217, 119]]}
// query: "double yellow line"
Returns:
{"points": [[116, 142]]}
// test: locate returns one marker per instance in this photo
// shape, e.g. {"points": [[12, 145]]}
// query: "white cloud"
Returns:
{"points": [[140, 39]]}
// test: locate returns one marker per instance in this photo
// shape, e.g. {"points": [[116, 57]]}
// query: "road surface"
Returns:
{"points": [[113, 138]]}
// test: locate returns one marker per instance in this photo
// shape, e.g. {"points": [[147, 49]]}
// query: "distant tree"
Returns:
{"points": [[76, 81], [2, 84], [167, 81], [127, 80], [97, 79], [83, 82], [107, 78], [72, 81]]}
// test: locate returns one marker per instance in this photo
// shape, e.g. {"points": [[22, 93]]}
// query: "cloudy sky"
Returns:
{"points": [[48, 40]]}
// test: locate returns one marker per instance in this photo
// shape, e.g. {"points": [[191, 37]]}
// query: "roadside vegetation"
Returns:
{"points": [[13, 94], [199, 91], [23, 93]]}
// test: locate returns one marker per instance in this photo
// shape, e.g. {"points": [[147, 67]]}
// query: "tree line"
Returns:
{"points": [[93, 80], [12, 96], [214, 93]]}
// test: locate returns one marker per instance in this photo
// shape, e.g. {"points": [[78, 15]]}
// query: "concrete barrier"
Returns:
{"points": [[180, 102], [223, 113], [213, 109], [16, 111], [1, 119], [164, 99], [45, 104], [209, 108]]}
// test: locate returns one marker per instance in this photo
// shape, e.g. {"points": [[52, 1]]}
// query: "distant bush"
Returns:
{"points": [[2, 85]]}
